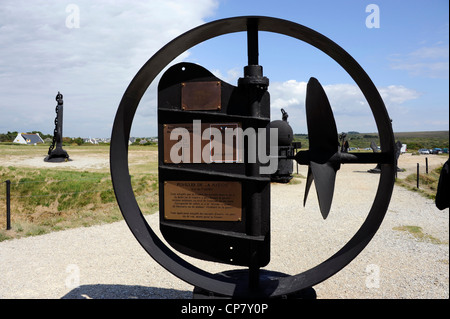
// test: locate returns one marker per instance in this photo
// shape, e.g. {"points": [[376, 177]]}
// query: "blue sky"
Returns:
{"points": [[90, 51]]}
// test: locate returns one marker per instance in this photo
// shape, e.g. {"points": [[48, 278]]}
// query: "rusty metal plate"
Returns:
{"points": [[202, 143], [203, 200], [199, 96]]}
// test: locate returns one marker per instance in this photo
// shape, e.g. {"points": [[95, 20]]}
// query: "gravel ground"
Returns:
{"points": [[107, 262]]}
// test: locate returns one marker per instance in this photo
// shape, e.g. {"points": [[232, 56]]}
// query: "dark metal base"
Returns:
{"points": [[242, 276], [377, 170], [57, 159], [57, 155], [281, 179]]}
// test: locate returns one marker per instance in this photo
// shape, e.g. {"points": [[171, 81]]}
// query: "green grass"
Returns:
{"points": [[418, 140], [41, 187], [428, 183], [296, 178], [417, 233], [413, 140], [45, 200]]}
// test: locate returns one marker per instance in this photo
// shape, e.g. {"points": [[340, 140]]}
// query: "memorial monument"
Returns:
{"points": [[214, 185], [55, 151]]}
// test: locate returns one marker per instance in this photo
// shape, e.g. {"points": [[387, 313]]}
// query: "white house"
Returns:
{"points": [[90, 140], [30, 139]]}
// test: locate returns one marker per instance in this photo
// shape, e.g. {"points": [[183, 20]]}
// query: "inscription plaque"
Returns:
{"points": [[198, 96], [202, 143], [203, 200]]}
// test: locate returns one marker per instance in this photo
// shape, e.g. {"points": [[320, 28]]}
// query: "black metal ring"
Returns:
{"points": [[127, 201]]}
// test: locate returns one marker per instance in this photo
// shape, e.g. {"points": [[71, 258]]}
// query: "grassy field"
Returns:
{"points": [[51, 199], [413, 140], [428, 183], [47, 199]]}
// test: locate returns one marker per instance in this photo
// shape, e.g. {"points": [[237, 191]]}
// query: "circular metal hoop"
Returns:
{"points": [[146, 236]]}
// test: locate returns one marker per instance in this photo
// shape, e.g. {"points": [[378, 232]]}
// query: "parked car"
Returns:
{"points": [[424, 151], [436, 150]]}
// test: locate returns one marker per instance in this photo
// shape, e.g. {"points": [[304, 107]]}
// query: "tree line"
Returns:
{"points": [[10, 136]]}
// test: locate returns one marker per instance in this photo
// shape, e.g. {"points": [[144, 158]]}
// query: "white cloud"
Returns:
{"points": [[286, 94], [350, 108], [397, 94], [232, 75], [431, 62], [91, 65], [436, 52]]}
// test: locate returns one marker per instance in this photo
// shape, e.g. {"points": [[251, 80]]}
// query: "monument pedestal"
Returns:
{"points": [[265, 276], [56, 153]]}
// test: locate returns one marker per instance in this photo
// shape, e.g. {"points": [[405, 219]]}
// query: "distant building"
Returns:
{"points": [[97, 140], [30, 139], [90, 140]]}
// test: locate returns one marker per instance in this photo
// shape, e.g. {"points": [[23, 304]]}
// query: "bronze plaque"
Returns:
{"points": [[198, 96], [203, 200], [202, 143]]}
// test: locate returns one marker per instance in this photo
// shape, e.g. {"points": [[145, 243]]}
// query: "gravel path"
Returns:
{"points": [[107, 262]]}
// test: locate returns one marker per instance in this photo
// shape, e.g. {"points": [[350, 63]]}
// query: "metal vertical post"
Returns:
{"points": [[426, 165], [255, 86], [8, 204], [255, 224], [252, 42], [417, 175]]}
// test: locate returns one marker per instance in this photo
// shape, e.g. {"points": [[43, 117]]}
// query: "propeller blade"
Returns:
{"points": [[323, 144], [324, 176], [322, 131], [309, 180]]}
